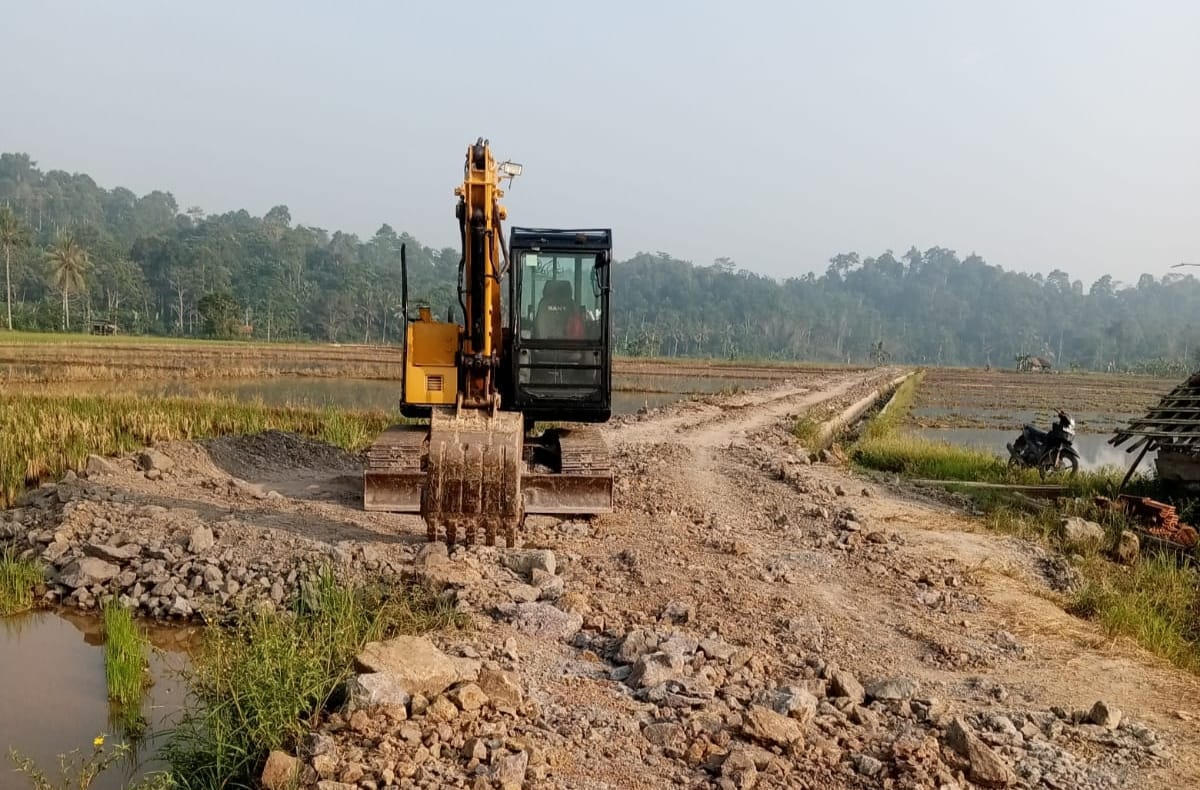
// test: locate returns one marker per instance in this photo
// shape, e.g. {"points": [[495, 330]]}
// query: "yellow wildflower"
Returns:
{"points": [[98, 741]]}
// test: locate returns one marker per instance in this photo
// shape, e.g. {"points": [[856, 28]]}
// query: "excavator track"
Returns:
{"points": [[394, 474], [476, 472], [576, 477]]}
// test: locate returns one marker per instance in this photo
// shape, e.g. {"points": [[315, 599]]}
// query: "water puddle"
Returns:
{"points": [[54, 698], [1094, 450]]}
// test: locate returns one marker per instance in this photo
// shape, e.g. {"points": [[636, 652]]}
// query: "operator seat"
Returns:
{"points": [[556, 305]]}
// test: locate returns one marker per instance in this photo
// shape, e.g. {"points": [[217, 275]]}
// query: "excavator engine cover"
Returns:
{"points": [[474, 475]]}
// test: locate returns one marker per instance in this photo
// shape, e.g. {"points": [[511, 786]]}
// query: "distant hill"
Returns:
{"points": [[159, 269]]}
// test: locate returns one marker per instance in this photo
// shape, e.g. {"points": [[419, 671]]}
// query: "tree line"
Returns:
{"points": [[76, 253]]}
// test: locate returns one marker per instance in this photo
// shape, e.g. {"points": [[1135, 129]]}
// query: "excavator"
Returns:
{"points": [[503, 406]]}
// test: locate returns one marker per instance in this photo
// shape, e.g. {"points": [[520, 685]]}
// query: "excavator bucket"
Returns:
{"points": [[474, 475]]}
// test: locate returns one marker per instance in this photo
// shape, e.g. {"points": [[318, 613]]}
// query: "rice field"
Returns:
{"points": [[44, 436]]}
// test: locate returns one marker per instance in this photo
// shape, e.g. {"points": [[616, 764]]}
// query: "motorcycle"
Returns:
{"points": [[1046, 451]]}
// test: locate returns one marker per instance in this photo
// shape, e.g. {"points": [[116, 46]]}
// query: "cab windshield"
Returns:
{"points": [[560, 297]]}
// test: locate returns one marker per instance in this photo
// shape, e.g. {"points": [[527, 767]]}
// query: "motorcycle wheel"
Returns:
{"points": [[1067, 463]]}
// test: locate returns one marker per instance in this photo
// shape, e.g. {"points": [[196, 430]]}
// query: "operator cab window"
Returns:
{"points": [[560, 297]]}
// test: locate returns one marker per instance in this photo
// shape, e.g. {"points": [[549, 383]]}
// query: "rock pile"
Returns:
{"points": [[168, 563]]}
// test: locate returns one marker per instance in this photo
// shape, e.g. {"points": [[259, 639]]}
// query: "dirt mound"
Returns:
{"points": [[272, 452]]}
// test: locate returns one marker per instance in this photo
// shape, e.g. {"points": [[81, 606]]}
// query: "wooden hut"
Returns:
{"points": [[1172, 427]]}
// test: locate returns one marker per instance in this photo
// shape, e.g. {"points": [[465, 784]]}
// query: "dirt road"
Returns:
{"points": [[745, 619]]}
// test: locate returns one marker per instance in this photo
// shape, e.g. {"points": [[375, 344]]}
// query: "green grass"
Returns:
{"points": [[807, 428], [915, 457], [255, 685], [125, 661], [125, 668], [925, 459], [42, 436], [1156, 602], [18, 578], [895, 411], [58, 338]]}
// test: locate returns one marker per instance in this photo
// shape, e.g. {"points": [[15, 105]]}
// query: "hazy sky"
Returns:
{"points": [[1038, 134]]}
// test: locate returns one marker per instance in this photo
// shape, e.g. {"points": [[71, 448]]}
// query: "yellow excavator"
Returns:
{"points": [[480, 390]]}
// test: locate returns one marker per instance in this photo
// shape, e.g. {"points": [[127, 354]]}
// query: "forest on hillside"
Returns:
{"points": [[75, 252]]}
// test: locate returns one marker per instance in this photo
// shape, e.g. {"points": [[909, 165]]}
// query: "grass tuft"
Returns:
{"points": [[18, 579], [259, 682], [807, 429], [125, 661], [895, 411], [1156, 602]]}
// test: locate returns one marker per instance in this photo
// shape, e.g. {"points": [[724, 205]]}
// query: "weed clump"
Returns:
{"points": [[125, 663], [18, 578], [1155, 602], [259, 683]]}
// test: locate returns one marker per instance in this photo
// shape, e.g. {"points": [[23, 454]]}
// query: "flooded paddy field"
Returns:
{"points": [[986, 409], [972, 398]]}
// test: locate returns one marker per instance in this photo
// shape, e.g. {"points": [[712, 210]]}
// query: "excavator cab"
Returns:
{"points": [[487, 385], [560, 361]]}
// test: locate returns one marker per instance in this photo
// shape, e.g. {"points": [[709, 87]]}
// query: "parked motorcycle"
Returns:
{"points": [[1046, 451]]}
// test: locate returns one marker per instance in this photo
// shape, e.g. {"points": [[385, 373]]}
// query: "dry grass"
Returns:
{"points": [[43, 436]]}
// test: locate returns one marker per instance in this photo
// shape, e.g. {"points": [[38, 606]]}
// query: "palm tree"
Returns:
{"points": [[68, 264], [13, 235]]}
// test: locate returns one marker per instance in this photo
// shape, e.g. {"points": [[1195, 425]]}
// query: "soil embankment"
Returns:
{"points": [[745, 619]]}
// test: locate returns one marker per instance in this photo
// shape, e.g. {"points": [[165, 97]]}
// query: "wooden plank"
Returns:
{"points": [[1034, 490]]}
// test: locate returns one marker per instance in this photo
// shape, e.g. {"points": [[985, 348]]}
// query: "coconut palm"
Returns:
{"points": [[69, 263], [13, 235]]}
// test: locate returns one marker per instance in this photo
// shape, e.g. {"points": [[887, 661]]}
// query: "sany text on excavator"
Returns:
{"points": [[479, 389]]}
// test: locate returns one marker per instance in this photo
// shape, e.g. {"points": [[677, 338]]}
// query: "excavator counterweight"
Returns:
{"points": [[474, 462]]}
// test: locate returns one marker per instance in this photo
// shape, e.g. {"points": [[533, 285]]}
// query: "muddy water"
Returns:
{"points": [[630, 392], [1094, 450], [53, 697]]}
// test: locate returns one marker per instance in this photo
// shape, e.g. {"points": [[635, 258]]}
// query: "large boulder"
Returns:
{"points": [[376, 689], [655, 668], [544, 620], [281, 771], [416, 664], [1079, 534], [983, 765], [768, 726], [501, 687], [526, 562], [891, 689], [154, 460], [87, 571]]}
